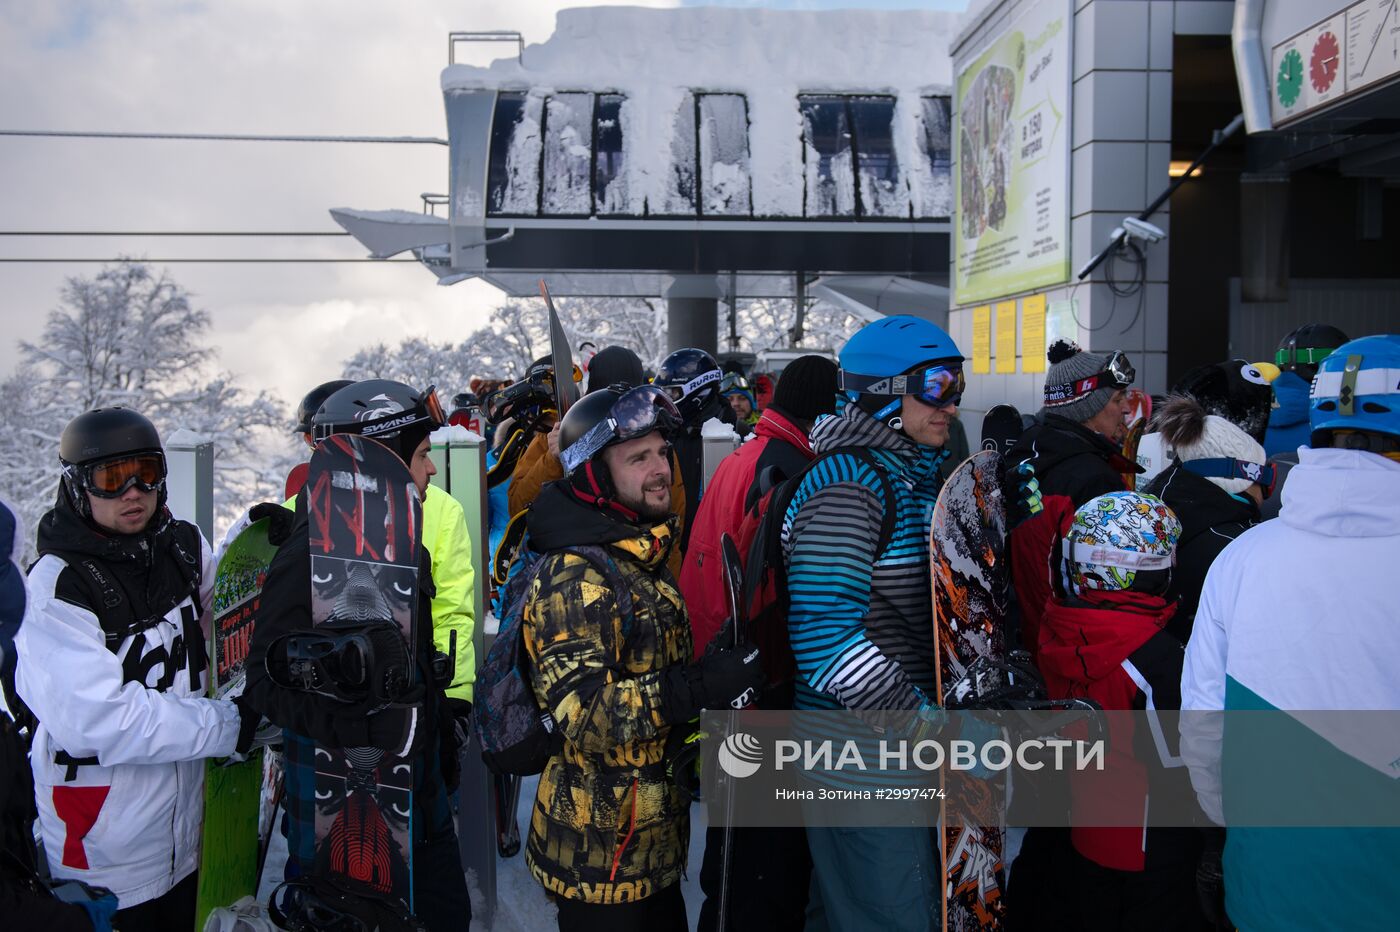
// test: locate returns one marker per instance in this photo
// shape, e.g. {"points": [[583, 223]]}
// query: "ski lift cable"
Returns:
{"points": [[224, 137], [173, 233], [207, 259]]}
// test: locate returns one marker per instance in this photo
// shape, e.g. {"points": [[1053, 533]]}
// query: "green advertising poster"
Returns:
{"points": [[1012, 139]]}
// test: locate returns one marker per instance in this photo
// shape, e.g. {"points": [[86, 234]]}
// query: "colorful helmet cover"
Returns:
{"points": [[1117, 535]]}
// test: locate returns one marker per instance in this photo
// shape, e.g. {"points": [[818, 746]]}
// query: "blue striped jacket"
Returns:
{"points": [[860, 622]]}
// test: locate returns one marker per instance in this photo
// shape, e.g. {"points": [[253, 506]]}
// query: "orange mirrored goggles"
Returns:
{"points": [[112, 478]]}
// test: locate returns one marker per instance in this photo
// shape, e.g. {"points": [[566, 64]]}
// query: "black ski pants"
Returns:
{"points": [[770, 870], [663, 911], [171, 912], [440, 896]]}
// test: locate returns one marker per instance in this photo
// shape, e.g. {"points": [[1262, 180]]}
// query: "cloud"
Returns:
{"points": [[238, 66]]}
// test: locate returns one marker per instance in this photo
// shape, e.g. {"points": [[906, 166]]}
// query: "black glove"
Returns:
{"points": [[248, 720], [400, 728], [461, 712], [280, 521], [722, 679]]}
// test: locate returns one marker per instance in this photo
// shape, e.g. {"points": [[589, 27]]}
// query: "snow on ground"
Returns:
{"points": [[657, 58]]}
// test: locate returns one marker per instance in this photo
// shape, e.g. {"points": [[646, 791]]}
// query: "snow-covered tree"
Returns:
{"points": [[130, 336]]}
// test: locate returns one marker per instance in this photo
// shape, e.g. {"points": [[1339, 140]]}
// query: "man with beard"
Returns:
{"points": [[611, 662]]}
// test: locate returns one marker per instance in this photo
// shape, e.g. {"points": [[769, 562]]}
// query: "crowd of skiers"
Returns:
{"points": [[1175, 596]]}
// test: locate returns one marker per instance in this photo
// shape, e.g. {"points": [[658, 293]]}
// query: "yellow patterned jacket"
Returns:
{"points": [[607, 826]]}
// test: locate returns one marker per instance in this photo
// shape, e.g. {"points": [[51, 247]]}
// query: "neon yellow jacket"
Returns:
{"points": [[450, 547]]}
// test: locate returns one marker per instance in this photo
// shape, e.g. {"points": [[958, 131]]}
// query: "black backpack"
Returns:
{"points": [[765, 595], [517, 734]]}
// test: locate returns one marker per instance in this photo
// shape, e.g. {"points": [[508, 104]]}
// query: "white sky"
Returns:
{"points": [[243, 66]]}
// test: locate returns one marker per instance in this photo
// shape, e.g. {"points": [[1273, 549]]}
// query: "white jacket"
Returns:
{"points": [[131, 822], [1299, 614]]}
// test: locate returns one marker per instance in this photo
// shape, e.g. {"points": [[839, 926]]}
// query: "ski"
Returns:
{"points": [[506, 790]]}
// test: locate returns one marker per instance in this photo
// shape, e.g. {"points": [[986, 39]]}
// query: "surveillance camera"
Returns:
{"points": [[1141, 229]]}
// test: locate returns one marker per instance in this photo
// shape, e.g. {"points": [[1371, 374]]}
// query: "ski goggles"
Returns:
{"points": [[426, 407], [111, 479], [679, 393], [1083, 554], [1117, 373], [936, 384], [636, 413], [734, 382], [1223, 467], [1304, 355]]}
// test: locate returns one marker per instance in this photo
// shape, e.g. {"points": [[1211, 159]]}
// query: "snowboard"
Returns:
{"points": [[231, 849], [1141, 404], [565, 391], [1130, 450], [970, 572], [366, 535], [1001, 428]]}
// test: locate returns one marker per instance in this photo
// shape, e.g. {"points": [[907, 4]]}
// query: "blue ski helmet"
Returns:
{"points": [[1357, 388], [897, 356]]}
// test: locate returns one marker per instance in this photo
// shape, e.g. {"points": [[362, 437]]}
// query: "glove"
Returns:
{"points": [[400, 728], [99, 903], [248, 720], [1210, 881], [461, 712], [722, 679], [1027, 500], [280, 521]]}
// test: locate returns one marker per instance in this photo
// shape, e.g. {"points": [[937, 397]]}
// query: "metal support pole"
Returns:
{"points": [[461, 472], [189, 459]]}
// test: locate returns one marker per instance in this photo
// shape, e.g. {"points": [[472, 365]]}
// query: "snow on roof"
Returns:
{"points": [[657, 57]]}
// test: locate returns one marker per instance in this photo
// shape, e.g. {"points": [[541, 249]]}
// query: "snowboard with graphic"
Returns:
{"points": [[230, 853], [1001, 428], [970, 572], [365, 534]]}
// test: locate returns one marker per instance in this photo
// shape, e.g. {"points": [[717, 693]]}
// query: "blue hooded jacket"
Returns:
{"points": [[1288, 422]]}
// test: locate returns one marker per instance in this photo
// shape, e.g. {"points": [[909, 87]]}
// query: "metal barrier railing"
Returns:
{"points": [[500, 35]]}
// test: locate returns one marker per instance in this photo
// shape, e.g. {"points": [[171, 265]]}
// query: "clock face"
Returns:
{"points": [[1322, 67], [1289, 82]]}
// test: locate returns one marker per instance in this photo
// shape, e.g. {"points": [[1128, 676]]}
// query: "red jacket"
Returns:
{"points": [[776, 441], [1073, 465], [1114, 650]]}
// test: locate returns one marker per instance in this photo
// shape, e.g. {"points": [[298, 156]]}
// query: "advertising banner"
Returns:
{"points": [[1011, 142]]}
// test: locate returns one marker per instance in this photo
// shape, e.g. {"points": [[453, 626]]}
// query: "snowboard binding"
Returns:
{"points": [[353, 663], [317, 905]]}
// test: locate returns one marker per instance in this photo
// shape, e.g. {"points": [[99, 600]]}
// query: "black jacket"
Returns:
{"points": [[152, 571], [1210, 519], [1073, 465]]}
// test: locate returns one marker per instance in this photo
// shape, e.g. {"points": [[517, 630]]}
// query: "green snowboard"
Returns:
{"points": [[230, 856]]}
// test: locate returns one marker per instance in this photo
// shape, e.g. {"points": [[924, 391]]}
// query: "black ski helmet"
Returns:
{"points": [[98, 436], [691, 377], [313, 401], [1302, 350], [606, 417], [397, 415]]}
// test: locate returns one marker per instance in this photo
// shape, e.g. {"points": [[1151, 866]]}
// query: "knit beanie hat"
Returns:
{"points": [[1069, 364], [614, 364], [1189, 434], [806, 388]]}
